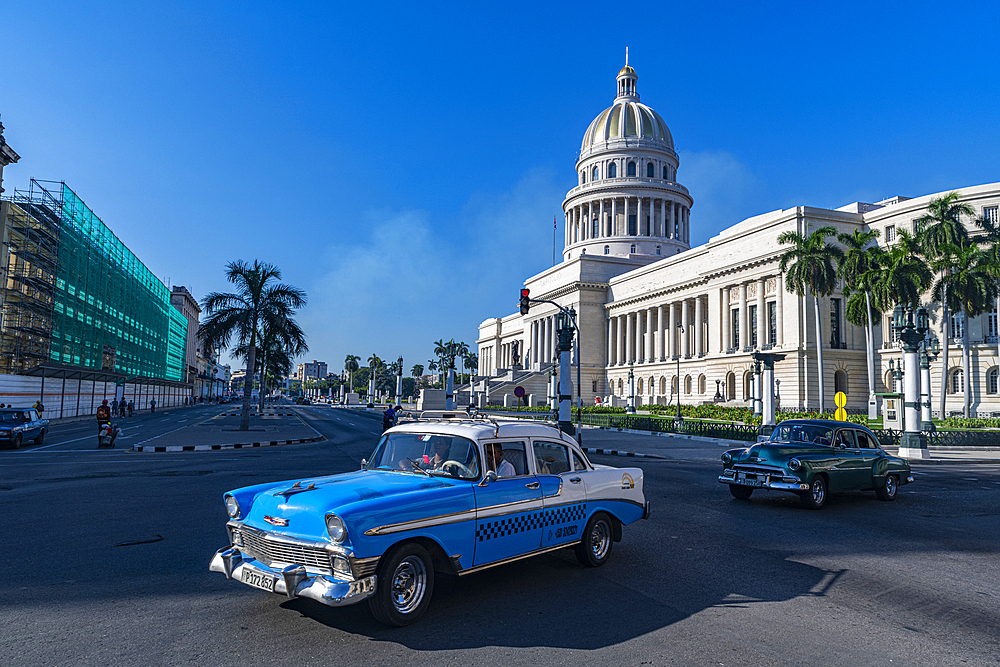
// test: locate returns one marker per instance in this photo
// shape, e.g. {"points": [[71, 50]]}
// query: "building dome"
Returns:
{"points": [[627, 119]]}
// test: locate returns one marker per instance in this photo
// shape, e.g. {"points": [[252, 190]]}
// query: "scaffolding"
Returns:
{"points": [[76, 295]]}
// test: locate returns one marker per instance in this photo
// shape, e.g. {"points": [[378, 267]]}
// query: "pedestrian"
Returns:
{"points": [[2, 406], [114, 406], [131, 407], [152, 405], [121, 407], [39, 407]]}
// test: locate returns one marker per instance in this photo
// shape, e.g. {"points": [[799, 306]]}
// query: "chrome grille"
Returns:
{"points": [[760, 470], [270, 552]]}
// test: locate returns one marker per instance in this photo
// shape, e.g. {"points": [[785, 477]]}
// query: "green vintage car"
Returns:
{"points": [[814, 457]]}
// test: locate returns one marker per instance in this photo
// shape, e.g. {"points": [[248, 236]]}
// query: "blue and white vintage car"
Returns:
{"points": [[445, 496]]}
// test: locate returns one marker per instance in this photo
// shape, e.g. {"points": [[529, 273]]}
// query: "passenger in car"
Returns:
{"points": [[494, 454]]}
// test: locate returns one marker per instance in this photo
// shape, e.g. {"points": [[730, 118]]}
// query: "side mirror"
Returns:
{"points": [[488, 478]]}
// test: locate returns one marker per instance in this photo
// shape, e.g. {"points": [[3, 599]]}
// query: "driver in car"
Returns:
{"points": [[440, 447]]}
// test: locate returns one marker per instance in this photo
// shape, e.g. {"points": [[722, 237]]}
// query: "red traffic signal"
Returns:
{"points": [[525, 301]]}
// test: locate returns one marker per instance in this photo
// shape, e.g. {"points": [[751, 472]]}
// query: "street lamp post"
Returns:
{"points": [[927, 357], [678, 419], [913, 443], [565, 332], [764, 363], [630, 408], [399, 380]]}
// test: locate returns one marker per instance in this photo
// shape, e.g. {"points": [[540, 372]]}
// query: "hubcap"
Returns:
{"points": [[409, 582], [818, 491], [890, 485], [600, 539]]}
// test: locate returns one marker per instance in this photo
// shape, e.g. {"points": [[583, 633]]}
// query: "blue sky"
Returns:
{"points": [[402, 162]]}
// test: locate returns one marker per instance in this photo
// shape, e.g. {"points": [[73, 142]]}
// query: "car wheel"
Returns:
{"points": [[887, 490], [41, 437], [594, 549], [404, 585], [741, 492], [17, 441], [815, 497]]}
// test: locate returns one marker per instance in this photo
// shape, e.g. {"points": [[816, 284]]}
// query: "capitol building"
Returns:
{"points": [[649, 302]]}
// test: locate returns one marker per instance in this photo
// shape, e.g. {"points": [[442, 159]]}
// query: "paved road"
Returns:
{"points": [[105, 562]]}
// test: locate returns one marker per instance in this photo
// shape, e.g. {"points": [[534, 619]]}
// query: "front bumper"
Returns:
{"points": [[294, 581], [775, 482]]}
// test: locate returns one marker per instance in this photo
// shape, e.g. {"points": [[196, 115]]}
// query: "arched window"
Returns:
{"points": [[633, 249], [663, 386], [650, 170], [702, 380], [631, 169], [687, 384], [651, 385], [673, 384], [890, 381], [595, 174], [583, 177], [607, 250], [613, 170], [657, 250], [840, 381], [957, 381], [665, 173], [992, 381], [597, 228], [731, 386], [638, 387], [747, 386]]}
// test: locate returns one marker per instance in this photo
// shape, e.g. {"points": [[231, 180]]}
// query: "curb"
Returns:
{"points": [[681, 436], [618, 452], [257, 414], [215, 448]]}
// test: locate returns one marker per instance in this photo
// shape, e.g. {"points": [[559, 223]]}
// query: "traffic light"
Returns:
{"points": [[525, 301]]}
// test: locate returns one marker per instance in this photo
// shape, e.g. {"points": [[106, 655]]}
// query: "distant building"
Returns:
{"points": [[313, 370], [186, 305]]}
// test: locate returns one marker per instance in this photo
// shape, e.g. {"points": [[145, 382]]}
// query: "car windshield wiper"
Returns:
{"points": [[415, 465]]}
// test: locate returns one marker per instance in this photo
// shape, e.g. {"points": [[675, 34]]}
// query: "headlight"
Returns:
{"points": [[727, 458], [335, 528], [232, 507], [794, 464]]}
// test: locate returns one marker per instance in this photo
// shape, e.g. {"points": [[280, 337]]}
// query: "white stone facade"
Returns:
{"points": [[647, 301]]}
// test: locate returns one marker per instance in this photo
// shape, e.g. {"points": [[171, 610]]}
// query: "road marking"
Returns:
{"points": [[64, 442], [181, 421]]}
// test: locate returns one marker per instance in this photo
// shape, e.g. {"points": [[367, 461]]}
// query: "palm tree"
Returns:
{"points": [[942, 225], [810, 268], [968, 284], [374, 364], [902, 274], [257, 302], [858, 271], [287, 339], [417, 370], [351, 365], [991, 238]]}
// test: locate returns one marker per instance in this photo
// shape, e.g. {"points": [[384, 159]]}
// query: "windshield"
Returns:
{"points": [[10, 417], [424, 453], [820, 435]]}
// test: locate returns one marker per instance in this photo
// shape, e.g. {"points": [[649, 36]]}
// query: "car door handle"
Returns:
{"points": [[532, 485], [575, 480]]}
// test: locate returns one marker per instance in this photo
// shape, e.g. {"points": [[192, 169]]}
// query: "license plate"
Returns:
{"points": [[260, 580], [746, 481]]}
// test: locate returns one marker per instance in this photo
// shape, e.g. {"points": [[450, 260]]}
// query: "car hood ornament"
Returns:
{"points": [[295, 488]]}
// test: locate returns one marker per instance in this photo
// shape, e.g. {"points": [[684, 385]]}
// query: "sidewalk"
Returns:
{"points": [[219, 432]]}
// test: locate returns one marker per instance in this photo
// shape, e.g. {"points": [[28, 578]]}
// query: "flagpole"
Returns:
{"points": [[553, 240]]}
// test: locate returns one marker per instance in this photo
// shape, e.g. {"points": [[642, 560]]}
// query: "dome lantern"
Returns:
{"points": [[626, 81]]}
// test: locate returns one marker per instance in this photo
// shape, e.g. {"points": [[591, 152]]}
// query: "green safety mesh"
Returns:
{"points": [[109, 311]]}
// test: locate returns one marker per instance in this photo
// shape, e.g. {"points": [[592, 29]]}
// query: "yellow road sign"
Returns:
{"points": [[840, 415], [840, 398]]}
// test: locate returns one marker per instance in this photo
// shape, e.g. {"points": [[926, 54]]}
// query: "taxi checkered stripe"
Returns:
{"points": [[512, 525]]}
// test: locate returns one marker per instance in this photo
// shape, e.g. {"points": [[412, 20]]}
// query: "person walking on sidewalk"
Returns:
{"points": [[152, 405], [131, 407]]}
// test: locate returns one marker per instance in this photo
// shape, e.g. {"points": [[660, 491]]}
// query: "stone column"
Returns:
{"points": [[638, 216], [668, 218], [650, 336], [779, 290], [727, 320], [744, 338], [660, 331], [672, 332], [761, 313], [630, 339], [534, 342], [686, 324], [621, 339], [553, 339], [699, 327]]}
